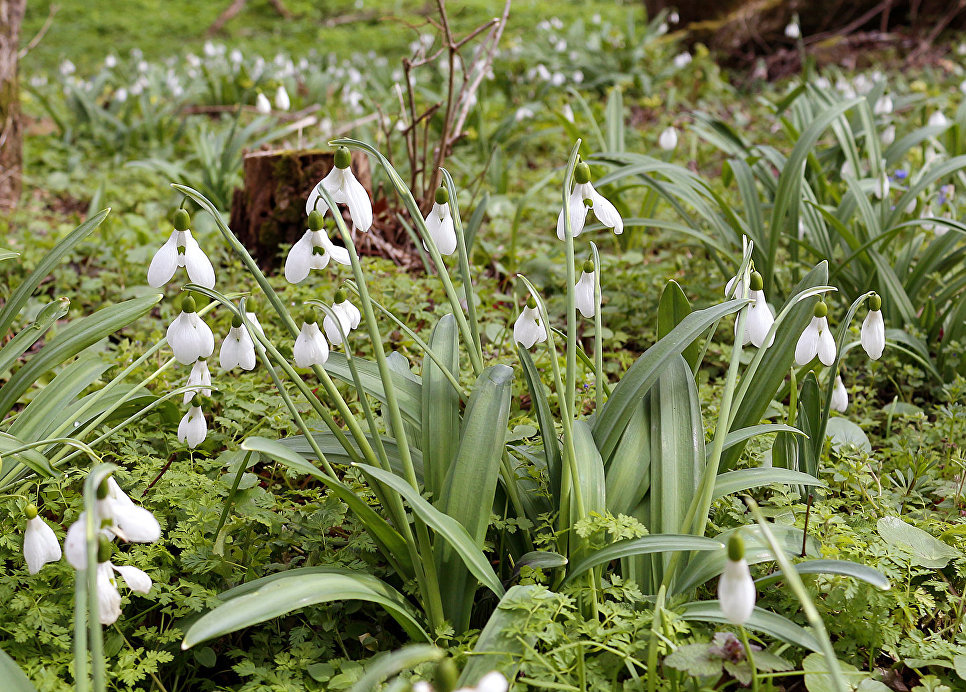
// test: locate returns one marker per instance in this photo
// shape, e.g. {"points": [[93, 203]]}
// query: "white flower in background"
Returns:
{"points": [[345, 189], [528, 329], [439, 223], [793, 31], [523, 113], [682, 60], [840, 396], [584, 291], [567, 112], [673, 18], [193, 428], [256, 325], [181, 250], [199, 377], [310, 346], [262, 104], [40, 544], [816, 339], [888, 135], [585, 197], [110, 62], [235, 56], [736, 589], [882, 186], [760, 318], [883, 105], [668, 139], [108, 597], [121, 96], [872, 334], [282, 101], [847, 171], [312, 251], [937, 119], [349, 318], [822, 83], [188, 335], [238, 349], [67, 68]]}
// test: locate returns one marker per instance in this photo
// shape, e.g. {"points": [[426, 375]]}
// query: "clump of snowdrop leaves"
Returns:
{"points": [[585, 197], [181, 250], [348, 315], [439, 223], [342, 185], [816, 340], [312, 251], [736, 589], [40, 544], [528, 329], [872, 334]]}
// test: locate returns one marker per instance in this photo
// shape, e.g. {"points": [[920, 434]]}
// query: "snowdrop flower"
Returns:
{"points": [[238, 349], [349, 318], [673, 18], [262, 104], [847, 171], [120, 95], [345, 189], [528, 329], [888, 135], [67, 68], [200, 378], [310, 346], [883, 105], [872, 334], [40, 544], [312, 251], [256, 325], [568, 113], [816, 339], [439, 223], [110, 61], [840, 396], [584, 291], [188, 336], [937, 119], [682, 60], [736, 590], [282, 101], [108, 597], [181, 250], [585, 197], [882, 186], [760, 318], [793, 31], [235, 56], [193, 429], [668, 139]]}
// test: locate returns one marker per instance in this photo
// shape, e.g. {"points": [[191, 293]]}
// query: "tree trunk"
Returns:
{"points": [[11, 127]]}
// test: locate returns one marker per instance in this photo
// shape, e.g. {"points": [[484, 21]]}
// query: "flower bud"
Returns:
{"points": [[821, 309], [582, 173], [182, 220], [757, 283], [342, 158]]}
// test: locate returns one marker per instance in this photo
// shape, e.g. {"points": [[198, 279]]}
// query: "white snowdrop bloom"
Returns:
{"points": [[682, 60], [528, 329], [193, 429], [199, 377], [439, 223], [585, 197], [110, 61], [822, 83], [930, 155], [840, 396], [736, 589], [872, 334], [422, 686], [188, 335], [256, 325], [262, 104], [238, 349], [888, 135], [862, 84], [673, 18], [882, 186], [793, 31], [668, 139], [349, 318], [523, 113], [312, 251], [578, 76], [883, 105], [937, 119], [193, 60], [108, 597], [67, 68], [491, 682], [584, 291], [345, 189], [181, 250], [235, 56], [136, 579], [40, 544], [567, 112], [558, 79], [282, 101], [760, 318], [662, 28], [311, 347], [121, 96], [816, 340]]}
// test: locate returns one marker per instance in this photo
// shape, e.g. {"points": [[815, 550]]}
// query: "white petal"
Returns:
{"points": [[668, 139], [348, 314], [527, 330], [108, 597], [136, 579], [190, 338], [332, 330], [197, 264], [302, 258], [199, 377], [440, 227], [315, 201], [840, 396], [872, 335], [75, 547], [357, 199], [584, 295], [193, 428], [338, 253], [40, 545], [578, 214], [607, 213], [492, 682], [237, 350], [282, 101], [760, 321], [310, 346], [736, 592], [826, 345], [164, 263], [807, 346]]}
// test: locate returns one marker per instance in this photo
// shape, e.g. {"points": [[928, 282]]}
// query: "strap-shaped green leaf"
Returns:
{"points": [[384, 666], [662, 543], [541, 409], [673, 307], [732, 482], [440, 407], [844, 568], [761, 621], [407, 386], [14, 679], [32, 332]]}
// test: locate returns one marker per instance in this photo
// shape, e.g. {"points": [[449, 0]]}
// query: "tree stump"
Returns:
{"points": [[11, 124], [270, 210]]}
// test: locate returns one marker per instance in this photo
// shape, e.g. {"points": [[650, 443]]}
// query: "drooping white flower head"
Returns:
{"points": [[736, 589], [310, 346], [682, 60], [198, 377], [883, 105], [108, 596], [673, 18], [584, 291], [937, 119], [345, 189], [668, 139], [816, 339], [888, 135], [40, 544], [872, 334], [238, 349], [312, 251], [349, 318], [181, 250], [193, 429], [760, 318], [585, 197], [491, 682], [282, 101], [793, 31], [840, 396], [882, 186], [529, 329], [262, 104], [439, 223], [188, 335]]}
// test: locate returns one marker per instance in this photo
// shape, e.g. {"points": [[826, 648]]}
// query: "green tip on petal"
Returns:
{"points": [[31, 511], [342, 158], [532, 303], [236, 321], [315, 221], [188, 304], [589, 266], [736, 548], [875, 302], [757, 283], [182, 220], [442, 195], [318, 250], [340, 296], [582, 173], [821, 309]]}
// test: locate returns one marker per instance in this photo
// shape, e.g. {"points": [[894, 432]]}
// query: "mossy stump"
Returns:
{"points": [[269, 211]]}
